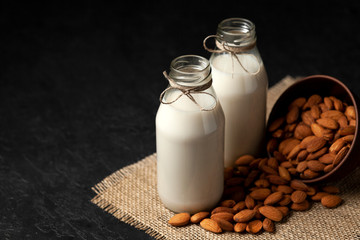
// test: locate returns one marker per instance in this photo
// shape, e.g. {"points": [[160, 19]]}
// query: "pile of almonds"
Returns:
{"points": [[258, 192], [314, 136], [310, 140]]}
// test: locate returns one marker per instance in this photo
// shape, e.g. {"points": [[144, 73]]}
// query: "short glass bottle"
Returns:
{"points": [[190, 138]]}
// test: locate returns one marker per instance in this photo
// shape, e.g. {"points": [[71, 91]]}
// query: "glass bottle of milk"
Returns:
{"points": [[240, 81], [190, 138]]}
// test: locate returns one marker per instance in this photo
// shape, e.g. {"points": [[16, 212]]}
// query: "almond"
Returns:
{"points": [[338, 105], [239, 206], [292, 115], [323, 107], [343, 122], [350, 112], [284, 173], [329, 103], [244, 215], [312, 100], [290, 144], [301, 166], [223, 215], [286, 164], [299, 185], [268, 225], [315, 144], [348, 130], [300, 206], [277, 180], [271, 212], [312, 191], [318, 130], [268, 170], [240, 227], [306, 141], [302, 155], [317, 197], [285, 201], [273, 163], [315, 165], [260, 194], [249, 202], [180, 219], [284, 210], [331, 201], [224, 225], [262, 183], [228, 203], [284, 189], [223, 209], [309, 174], [328, 123], [210, 225], [348, 138], [298, 196], [198, 217], [254, 226], [337, 145], [271, 145], [276, 124], [244, 160], [302, 130], [317, 154], [279, 133], [340, 155], [328, 168], [294, 152], [327, 158], [315, 111], [307, 118], [352, 122], [299, 102], [333, 114], [273, 198]]}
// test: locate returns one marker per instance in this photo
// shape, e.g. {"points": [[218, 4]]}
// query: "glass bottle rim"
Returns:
{"points": [[190, 70], [236, 31]]}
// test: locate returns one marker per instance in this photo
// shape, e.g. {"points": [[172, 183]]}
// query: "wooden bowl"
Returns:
{"points": [[324, 86]]}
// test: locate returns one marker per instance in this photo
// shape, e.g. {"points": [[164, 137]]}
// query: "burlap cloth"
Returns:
{"points": [[130, 195]]}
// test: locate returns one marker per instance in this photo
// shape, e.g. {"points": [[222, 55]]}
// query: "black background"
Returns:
{"points": [[79, 90]]}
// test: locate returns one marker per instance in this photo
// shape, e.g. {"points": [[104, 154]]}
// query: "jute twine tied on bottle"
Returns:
{"points": [[223, 46], [187, 91]]}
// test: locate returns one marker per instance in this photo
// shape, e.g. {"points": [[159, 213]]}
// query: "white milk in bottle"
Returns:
{"points": [[240, 82], [190, 138]]}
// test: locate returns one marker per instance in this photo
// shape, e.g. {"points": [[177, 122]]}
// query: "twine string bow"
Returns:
{"points": [[224, 47], [187, 91]]}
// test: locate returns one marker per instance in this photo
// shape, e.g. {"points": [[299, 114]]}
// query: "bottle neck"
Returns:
{"points": [[236, 33], [190, 70]]}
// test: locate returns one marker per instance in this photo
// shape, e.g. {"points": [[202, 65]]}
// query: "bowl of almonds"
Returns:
{"points": [[313, 129]]}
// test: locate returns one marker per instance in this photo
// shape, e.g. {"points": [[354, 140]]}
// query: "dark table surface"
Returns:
{"points": [[79, 90]]}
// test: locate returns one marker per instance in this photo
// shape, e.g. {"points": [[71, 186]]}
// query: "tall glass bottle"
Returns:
{"points": [[240, 81], [190, 138]]}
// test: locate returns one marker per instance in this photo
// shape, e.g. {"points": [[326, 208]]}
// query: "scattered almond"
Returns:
{"points": [[180, 219], [210, 225], [331, 201], [198, 217], [268, 225]]}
